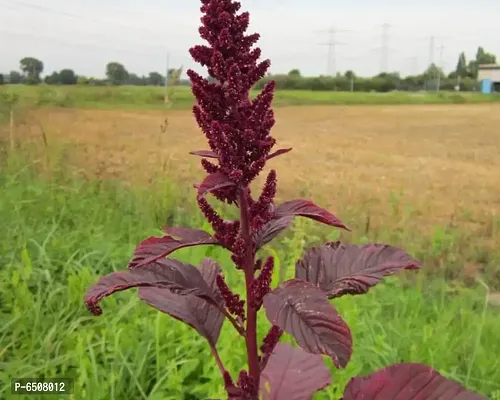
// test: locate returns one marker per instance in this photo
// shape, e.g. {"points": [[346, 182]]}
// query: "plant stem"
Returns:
{"points": [[248, 267], [236, 324], [218, 360]]}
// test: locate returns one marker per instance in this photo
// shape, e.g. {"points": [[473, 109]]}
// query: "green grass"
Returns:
{"points": [[60, 232], [153, 97]]}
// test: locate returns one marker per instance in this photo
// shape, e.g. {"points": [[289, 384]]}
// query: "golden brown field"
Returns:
{"points": [[443, 161]]}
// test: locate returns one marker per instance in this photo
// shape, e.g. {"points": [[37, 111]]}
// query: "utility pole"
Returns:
{"points": [[331, 62], [166, 99]]}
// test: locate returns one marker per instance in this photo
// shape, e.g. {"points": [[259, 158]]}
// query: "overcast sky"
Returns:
{"points": [[85, 34]]}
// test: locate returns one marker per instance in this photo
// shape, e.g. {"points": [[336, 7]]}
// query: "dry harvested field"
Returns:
{"points": [[442, 161]]}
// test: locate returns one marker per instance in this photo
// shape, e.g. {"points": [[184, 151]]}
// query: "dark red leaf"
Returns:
{"points": [[293, 374], [306, 208], [303, 311], [406, 382], [270, 230], [190, 309], [278, 153], [204, 153], [180, 278], [340, 269], [213, 182], [155, 248]]}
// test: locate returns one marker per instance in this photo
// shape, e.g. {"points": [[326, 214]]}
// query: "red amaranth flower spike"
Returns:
{"points": [[237, 129], [269, 343], [231, 300], [262, 285]]}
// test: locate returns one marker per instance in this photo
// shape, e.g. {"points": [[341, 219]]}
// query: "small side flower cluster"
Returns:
{"points": [[231, 300], [261, 286]]}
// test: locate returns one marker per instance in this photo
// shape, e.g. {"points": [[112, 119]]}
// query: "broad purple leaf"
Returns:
{"points": [[293, 374], [201, 315], [278, 152], [284, 214], [340, 269], [270, 230], [180, 278], [204, 153], [155, 248], [213, 182], [303, 311], [406, 382], [306, 208]]}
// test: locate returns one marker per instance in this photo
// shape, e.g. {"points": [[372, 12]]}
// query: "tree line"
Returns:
{"points": [[31, 70], [464, 77]]}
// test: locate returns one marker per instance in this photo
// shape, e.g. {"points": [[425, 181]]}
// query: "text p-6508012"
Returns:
{"points": [[42, 386]]}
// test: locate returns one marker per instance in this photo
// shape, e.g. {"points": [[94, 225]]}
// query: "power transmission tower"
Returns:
{"points": [[331, 62], [432, 45], [384, 48], [432, 61], [384, 58], [440, 66], [413, 65]]}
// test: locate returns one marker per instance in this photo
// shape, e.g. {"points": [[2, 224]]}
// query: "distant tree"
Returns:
{"points": [[155, 79], [53, 79], [136, 80], [389, 75], [63, 77], [349, 74], [116, 73], [461, 69], [434, 72], [67, 77], [482, 57], [2, 79], [295, 73], [32, 68], [82, 80], [15, 78]]}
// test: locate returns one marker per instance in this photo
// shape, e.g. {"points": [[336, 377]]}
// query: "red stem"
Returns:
{"points": [[218, 360], [248, 267]]}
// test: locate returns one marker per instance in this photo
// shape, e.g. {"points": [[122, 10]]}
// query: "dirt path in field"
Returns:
{"points": [[438, 160]]}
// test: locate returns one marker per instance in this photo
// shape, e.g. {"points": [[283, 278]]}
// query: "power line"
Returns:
{"points": [[73, 44], [49, 10]]}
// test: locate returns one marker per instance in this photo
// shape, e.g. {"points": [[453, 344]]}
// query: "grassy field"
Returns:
{"points": [[61, 231], [134, 97], [95, 182]]}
